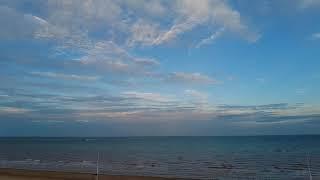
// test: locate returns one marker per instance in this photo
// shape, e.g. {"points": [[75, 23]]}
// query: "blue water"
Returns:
{"points": [[259, 157]]}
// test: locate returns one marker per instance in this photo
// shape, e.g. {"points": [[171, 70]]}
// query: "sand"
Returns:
{"points": [[15, 174]]}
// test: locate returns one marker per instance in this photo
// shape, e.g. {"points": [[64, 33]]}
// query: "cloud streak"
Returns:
{"points": [[190, 78], [210, 39], [66, 76], [315, 36], [214, 13]]}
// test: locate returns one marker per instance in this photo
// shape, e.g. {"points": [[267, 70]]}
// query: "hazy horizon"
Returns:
{"points": [[160, 136], [118, 68]]}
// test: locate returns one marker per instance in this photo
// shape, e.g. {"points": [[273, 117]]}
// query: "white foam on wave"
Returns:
{"points": [[38, 164]]}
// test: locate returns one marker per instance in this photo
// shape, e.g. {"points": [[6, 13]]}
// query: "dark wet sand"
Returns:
{"points": [[15, 174]]}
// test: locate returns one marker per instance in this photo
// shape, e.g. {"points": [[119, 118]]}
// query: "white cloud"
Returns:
{"points": [[147, 7], [54, 121], [13, 110], [300, 91], [178, 29], [39, 20], [17, 25], [3, 94], [315, 36], [143, 33], [83, 11], [135, 22], [155, 8], [110, 57], [261, 80], [66, 76], [115, 66], [210, 39], [147, 96], [309, 3], [196, 94], [114, 18], [189, 15], [213, 13], [82, 121], [190, 78], [231, 78], [146, 61], [27, 26]]}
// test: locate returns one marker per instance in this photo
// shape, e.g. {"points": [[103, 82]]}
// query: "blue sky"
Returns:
{"points": [[153, 67]]}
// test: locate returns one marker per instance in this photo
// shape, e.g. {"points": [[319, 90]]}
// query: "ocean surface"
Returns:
{"points": [[258, 157]]}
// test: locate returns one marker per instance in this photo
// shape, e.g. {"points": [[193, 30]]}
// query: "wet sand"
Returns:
{"points": [[15, 174]]}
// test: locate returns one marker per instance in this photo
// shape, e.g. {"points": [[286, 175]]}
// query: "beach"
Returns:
{"points": [[19, 174]]}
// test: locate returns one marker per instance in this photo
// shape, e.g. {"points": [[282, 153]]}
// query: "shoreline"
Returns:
{"points": [[23, 174]]}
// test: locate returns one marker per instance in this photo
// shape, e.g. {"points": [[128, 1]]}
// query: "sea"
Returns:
{"points": [[244, 157]]}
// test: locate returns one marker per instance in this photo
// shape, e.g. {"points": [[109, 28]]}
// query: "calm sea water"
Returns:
{"points": [[260, 157]]}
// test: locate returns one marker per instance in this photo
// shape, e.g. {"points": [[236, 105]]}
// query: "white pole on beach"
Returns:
{"points": [[309, 168], [98, 166]]}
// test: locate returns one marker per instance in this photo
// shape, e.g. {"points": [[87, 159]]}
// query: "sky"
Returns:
{"points": [[159, 68]]}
